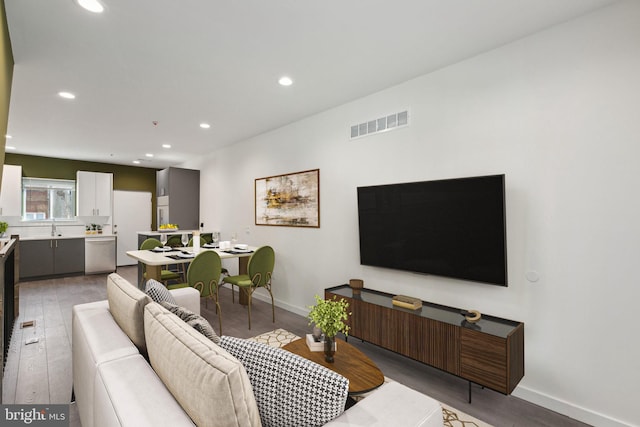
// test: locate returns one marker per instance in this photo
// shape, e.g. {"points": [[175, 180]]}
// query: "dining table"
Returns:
{"points": [[155, 259]]}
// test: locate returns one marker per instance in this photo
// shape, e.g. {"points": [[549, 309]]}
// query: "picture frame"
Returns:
{"points": [[289, 200]]}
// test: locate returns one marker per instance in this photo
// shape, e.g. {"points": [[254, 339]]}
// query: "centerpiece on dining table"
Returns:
{"points": [[330, 316]]}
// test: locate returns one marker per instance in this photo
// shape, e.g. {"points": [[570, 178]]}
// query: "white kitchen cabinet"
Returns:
{"points": [[94, 193], [11, 192]]}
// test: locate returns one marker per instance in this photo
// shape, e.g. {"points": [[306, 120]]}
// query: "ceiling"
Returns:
{"points": [[148, 72]]}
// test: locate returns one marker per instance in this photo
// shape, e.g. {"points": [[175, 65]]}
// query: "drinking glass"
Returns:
{"points": [[215, 237], [234, 239], [185, 239], [163, 239]]}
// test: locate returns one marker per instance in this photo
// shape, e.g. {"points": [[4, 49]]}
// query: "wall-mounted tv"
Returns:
{"points": [[452, 227]]}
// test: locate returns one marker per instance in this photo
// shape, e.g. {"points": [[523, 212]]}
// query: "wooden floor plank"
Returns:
{"points": [[41, 373]]}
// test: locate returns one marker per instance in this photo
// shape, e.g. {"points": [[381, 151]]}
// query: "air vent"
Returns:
{"points": [[382, 124]]}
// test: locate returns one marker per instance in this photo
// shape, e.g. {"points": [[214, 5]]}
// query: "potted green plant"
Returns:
{"points": [[331, 316], [3, 228]]}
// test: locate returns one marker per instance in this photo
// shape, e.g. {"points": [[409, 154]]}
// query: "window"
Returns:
{"points": [[48, 199]]}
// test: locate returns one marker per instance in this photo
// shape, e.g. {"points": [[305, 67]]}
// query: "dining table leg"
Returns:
{"points": [[154, 272]]}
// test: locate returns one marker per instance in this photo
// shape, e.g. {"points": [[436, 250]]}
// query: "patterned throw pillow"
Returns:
{"points": [[192, 319], [158, 292], [290, 390]]}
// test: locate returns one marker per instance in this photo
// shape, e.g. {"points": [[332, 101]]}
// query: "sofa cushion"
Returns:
{"points": [[194, 320], [393, 404], [96, 339], [158, 292], [211, 385], [290, 390], [126, 304], [128, 392]]}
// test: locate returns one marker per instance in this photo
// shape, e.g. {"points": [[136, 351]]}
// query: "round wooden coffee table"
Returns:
{"points": [[351, 363]]}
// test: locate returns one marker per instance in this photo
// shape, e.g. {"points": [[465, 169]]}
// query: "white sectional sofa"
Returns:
{"points": [[137, 364]]}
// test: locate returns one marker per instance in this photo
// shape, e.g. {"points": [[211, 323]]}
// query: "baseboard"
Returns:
{"points": [[264, 297], [566, 408]]}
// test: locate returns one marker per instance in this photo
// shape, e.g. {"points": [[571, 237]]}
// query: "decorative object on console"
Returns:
{"points": [[356, 285], [471, 316], [406, 302], [288, 200], [331, 316], [3, 228]]}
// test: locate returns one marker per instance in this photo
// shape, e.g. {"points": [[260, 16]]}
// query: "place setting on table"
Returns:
{"points": [[237, 249]]}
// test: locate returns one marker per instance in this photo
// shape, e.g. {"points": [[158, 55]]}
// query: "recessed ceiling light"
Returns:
{"points": [[91, 5], [149, 155], [285, 81], [137, 162], [205, 125], [10, 147], [8, 136], [166, 145], [66, 95]]}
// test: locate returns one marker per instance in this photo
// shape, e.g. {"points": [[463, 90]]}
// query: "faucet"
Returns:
{"points": [[53, 228]]}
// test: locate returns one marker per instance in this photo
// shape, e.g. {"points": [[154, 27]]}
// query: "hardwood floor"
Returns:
{"points": [[41, 372]]}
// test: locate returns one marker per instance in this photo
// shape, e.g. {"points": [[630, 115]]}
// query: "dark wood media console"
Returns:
{"points": [[489, 353]]}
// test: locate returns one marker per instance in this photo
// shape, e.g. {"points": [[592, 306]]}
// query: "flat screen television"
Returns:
{"points": [[452, 228]]}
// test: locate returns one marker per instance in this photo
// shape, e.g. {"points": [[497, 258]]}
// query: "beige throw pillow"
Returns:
{"points": [[211, 385], [126, 304]]}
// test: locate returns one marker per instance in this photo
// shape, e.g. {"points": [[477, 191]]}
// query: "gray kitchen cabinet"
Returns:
{"points": [[51, 257], [178, 192]]}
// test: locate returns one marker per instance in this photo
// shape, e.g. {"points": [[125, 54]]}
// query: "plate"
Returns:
{"points": [[210, 246], [182, 255], [242, 251], [162, 249]]}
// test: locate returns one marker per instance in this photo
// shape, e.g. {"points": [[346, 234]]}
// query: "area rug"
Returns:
{"points": [[277, 338], [452, 417]]}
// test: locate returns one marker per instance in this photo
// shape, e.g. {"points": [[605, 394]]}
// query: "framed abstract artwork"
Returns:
{"points": [[291, 200]]}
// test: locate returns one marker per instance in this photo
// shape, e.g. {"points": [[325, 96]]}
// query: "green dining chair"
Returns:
{"points": [[175, 241], [202, 241], [166, 275], [259, 271], [203, 274]]}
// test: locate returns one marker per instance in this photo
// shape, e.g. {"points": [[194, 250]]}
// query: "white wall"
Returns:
{"points": [[559, 114]]}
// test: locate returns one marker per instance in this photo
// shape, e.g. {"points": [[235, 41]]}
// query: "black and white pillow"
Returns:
{"points": [[158, 292], [289, 390], [194, 320]]}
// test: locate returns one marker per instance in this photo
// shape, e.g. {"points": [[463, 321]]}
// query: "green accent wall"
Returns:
{"points": [[125, 178], [6, 78]]}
